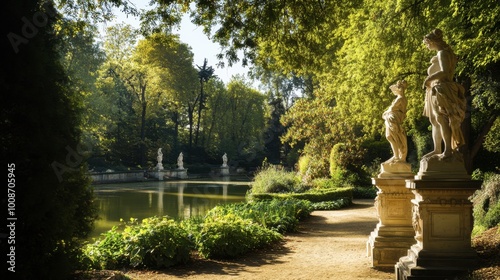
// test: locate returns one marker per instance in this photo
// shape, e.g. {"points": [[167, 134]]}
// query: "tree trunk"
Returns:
{"points": [[191, 122], [200, 107], [175, 119], [143, 127]]}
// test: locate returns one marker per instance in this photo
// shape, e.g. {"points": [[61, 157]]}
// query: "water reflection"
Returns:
{"points": [[180, 199]]}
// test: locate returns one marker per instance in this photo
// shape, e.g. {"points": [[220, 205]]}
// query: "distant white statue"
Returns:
{"points": [[180, 163], [224, 160], [394, 117], [159, 158]]}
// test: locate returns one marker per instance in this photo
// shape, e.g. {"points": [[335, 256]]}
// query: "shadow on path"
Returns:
{"points": [[228, 267]]}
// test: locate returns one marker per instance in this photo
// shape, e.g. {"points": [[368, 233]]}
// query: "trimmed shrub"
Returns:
{"points": [[365, 192], [229, 236], [154, 243], [312, 195]]}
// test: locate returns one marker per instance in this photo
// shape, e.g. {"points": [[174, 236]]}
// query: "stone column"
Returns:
{"points": [[442, 219], [394, 234]]}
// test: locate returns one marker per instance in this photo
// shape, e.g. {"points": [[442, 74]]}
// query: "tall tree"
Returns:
{"points": [[205, 73], [50, 196]]}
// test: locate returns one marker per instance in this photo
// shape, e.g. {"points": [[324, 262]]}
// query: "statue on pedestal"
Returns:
{"points": [[445, 106], [394, 117], [180, 163], [445, 102], [159, 158], [224, 160], [396, 166]]}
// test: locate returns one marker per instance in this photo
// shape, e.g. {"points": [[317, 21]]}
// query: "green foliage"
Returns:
{"points": [[486, 202], [336, 44], [281, 215], [324, 184], [345, 159], [303, 168], [364, 192], [153, 243], [492, 217], [312, 195], [234, 121], [274, 179], [229, 236], [331, 205]]}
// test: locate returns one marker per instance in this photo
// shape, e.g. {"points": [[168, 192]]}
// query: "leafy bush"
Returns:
{"points": [[229, 236], [314, 195], [274, 179], [492, 217], [154, 243], [324, 183], [331, 205], [486, 201], [279, 215], [303, 166]]}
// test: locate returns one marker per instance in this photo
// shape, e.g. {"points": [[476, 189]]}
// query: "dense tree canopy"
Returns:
{"points": [[354, 50]]}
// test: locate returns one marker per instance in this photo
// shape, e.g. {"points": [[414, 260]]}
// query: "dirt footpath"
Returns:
{"points": [[328, 245]]}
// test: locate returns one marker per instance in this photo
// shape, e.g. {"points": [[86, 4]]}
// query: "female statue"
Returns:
{"points": [[394, 117], [444, 99], [180, 161]]}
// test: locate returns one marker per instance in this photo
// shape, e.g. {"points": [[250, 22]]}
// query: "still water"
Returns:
{"points": [[176, 199]]}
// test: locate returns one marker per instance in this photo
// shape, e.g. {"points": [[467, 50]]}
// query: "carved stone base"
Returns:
{"points": [[392, 169], [394, 233], [435, 168], [387, 244], [442, 219], [177, 173]]}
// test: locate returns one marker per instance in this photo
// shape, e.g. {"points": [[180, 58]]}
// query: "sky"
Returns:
{"points": [[192, 35]]}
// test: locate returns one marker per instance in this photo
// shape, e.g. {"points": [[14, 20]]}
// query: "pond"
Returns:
{"points": [[176, 199]]}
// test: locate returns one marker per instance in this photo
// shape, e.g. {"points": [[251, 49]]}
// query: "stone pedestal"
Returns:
{"points": [[394, 233], [177, 173], [435, 168], [158, 174], [224, 170], [442, 219]]}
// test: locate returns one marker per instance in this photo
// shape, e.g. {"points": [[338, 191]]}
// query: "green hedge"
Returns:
{"points": [[312, 195]]}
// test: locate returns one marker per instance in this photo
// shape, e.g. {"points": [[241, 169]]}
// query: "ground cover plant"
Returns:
{"points": [[281, 215], [154, 243], [229, 236], [486, 202], [226, 231]]}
